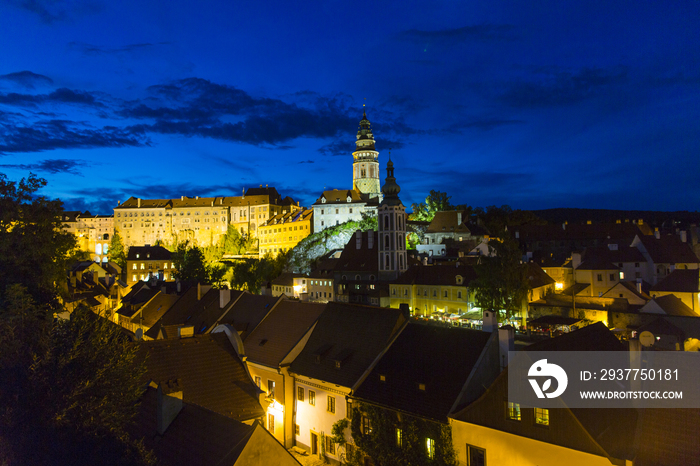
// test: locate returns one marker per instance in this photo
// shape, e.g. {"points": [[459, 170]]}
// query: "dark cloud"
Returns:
{"points": [[91, 49], [27, 79], [60, 134], [51, 11], [59, 96], [344, 147], [479, 32], [307, 161], [52, 166], [563, 88], [197, 107]]}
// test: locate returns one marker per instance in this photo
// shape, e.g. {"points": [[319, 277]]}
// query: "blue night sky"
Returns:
{"points": [[532, 104]]}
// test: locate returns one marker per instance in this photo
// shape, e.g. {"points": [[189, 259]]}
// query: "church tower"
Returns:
{"points": [[391, 221], [365, 166]]}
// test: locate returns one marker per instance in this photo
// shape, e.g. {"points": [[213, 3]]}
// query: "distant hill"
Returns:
{"points": [[665, 220]]}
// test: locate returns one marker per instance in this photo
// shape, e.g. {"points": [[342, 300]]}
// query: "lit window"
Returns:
{"points": [[622, 275], [366, 425], [430, 447], [542, 416], [134, 267], [399, 437], [514, 411]]}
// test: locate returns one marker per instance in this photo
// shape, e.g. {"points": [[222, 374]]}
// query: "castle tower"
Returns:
{"points": [[365, 166], [391, 221]]}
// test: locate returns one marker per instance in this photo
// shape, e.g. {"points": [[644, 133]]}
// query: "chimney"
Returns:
{"points": [[169, 404], [459, 218], [657, 233], [425, 260], [639, 285], [185, 332], [575, 260], [517, 235], [224, 298], [405, 310], [358, 239], [370, 239], [684, 236], [506, 343], [164, 289], [138, 201], [563, 226], [489, 321], [182, 198], [221, 201], [119, 202], [179, 287]]}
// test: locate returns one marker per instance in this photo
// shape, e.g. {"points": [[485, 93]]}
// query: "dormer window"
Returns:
{"points": [[349, 199], [459, 279], [323, 200], [137, 256]]}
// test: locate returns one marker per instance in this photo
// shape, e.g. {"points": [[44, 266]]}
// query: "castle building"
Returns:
{"points": [[338, 206], [391, 224], [93, 232], [200, 220], [365, 166]]}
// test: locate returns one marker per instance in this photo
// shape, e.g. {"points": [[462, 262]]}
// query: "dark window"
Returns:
{"points": [[300, 393], [331, 404], [312, 398], [476, 456]]}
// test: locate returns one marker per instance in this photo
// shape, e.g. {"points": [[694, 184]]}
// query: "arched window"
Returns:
{"points": [[386, 242], [357, 278], [386, 262], [386, 222], [98, 249], [400, 261]]}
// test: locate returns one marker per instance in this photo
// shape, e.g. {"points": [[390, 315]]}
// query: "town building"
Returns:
{"points": [[415, 387], [146, 262], [434, 290], [284, 231], [269, 349], [291, 285], [344, 344]]}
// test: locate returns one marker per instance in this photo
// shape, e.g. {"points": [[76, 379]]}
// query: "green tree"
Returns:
{"points": [[69, 387], [34, 246], [496, 219], [189, 264], [117, 252], [437, 201], [501, 278]]}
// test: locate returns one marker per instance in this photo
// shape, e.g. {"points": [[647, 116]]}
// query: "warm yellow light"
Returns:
{"points": [[559, 286]]}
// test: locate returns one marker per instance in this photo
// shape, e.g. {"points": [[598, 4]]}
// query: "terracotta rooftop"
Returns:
{"points": [[280, 331], [440, 358], [668, 249], [145, 253], [350, 335], [438, 275], [681, 281], [669, 304], [210, 373], [449, 222]]}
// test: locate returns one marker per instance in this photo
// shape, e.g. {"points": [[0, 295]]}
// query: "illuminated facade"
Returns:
{"points": [[93, 233], [284, 231], [438, 290], [365, 166], [145, 262], [201, 220]]}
